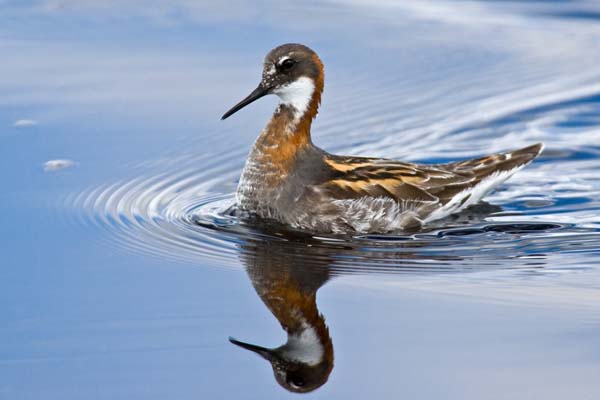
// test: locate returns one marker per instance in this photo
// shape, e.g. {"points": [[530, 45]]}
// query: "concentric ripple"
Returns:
{"points": [[540, 220], [189, 214]]}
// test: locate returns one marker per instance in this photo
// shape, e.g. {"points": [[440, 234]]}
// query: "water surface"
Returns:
{"points": [[124, 271]]}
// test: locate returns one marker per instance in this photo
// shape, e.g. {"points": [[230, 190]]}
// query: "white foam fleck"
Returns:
{"points": [[55, 165], [23, 123]]}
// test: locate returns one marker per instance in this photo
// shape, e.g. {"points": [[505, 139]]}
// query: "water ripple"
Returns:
{"points": [[188, 214]]}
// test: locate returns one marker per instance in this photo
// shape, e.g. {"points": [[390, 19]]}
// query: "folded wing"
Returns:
{"points": [[355, 177]]}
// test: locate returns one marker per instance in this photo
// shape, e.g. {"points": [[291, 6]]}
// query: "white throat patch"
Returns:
{"points": [[304, 347], [297, 94]]}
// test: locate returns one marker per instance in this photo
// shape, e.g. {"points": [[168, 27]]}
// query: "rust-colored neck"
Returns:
{"points": [[294, 307], [287, 132]]}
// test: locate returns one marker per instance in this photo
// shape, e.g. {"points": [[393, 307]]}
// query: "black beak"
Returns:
{"points": [[265, 353], [256, 94]]}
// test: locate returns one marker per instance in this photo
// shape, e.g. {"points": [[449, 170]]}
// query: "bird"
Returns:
{"points": [[289, 180]]}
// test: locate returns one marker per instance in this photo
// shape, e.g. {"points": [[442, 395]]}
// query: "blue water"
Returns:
{"points": [[123, 274]]}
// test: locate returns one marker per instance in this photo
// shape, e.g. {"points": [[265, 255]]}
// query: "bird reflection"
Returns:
{"points": [[286, 275]]}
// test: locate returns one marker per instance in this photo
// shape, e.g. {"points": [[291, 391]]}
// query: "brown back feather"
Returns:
{"points": [[355, 177]]}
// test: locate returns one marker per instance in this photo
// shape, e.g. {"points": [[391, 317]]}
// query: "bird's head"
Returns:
{"points": [[301, 365], [294, 73]]}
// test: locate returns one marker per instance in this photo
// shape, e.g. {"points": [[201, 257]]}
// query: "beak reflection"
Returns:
{"points": [[261, 351]]}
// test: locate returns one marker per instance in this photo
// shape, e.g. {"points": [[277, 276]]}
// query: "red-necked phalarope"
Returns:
{"points": [[289, 179]]}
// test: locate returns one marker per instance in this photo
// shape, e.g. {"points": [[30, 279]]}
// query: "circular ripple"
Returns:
{"points": [[189, 215], [152, 214], [183, 209]]}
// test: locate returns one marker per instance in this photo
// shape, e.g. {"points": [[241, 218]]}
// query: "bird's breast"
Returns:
{"points": [[261, 183]]}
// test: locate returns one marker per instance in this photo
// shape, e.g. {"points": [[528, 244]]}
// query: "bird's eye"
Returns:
{"points": [[296, 381], [287, 64]]}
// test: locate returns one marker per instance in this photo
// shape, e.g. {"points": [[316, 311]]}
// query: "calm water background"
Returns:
{"points": [[122, 275]]}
